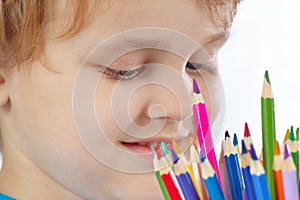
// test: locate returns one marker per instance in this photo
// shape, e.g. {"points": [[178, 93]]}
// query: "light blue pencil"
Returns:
{"points": [[210, 180], [258, 177]]}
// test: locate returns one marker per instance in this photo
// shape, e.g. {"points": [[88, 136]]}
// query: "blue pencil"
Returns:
{"points": [[210, 180], [233, 169], [258, 177], [245, 157], [184, 178], [236, 144]]}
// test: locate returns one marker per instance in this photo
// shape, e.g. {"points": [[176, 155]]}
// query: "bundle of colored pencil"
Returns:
{"points": [[239, 174]]}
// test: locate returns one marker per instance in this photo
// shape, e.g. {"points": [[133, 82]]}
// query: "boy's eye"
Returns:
{"points": [[123, 74], [197, 67]]}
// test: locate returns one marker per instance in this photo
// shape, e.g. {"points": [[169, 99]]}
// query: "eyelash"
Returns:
{"points": [[197, 67], [130, 74], [123, 74]]}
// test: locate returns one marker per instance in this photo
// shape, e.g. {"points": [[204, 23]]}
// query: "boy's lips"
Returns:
{"points": [[144, 146], [138, 147]]}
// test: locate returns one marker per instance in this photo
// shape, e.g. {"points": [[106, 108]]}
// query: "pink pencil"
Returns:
{"points": [[203, 129]]}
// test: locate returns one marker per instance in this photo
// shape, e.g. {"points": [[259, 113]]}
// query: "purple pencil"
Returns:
{"points": [[289, 176]]}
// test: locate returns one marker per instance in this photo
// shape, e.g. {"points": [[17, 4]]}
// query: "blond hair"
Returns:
{"points": [[23, 24]]}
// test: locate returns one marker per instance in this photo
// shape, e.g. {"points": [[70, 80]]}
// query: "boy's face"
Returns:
{"points": [[45, 127]]}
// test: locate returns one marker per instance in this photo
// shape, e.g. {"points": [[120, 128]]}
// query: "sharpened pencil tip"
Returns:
{"points": [[286, 151], [174, 156], [202, 157], [291, 135], [175, 147], [235, 140], [195, 87], [227, 135], [152, 150], [244, 148], [277, 148], [164, 148], [246, 130], [287, 133], [253, 153], [297, 134], [267, 76]]}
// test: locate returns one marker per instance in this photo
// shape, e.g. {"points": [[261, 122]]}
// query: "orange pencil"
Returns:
{"points": [[277, 173]]}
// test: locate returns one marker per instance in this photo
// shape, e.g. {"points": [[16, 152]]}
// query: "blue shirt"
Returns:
{"points": [[4, 197]]}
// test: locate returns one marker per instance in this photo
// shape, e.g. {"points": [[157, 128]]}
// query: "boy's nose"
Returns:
{"points": [[169, 92]]}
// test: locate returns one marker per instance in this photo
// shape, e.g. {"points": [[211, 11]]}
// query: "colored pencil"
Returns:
{"points": [[223, 174], [293, 145], [168, 181], [184, 178], [258, 177], [158, 164], [286, 136], [277, 173], [169, 160], [245, 164], [233, 169], [188, 167], [268, 131], [210, 179], [195, 164], [289, 177], [236, 144], [203, 129], [247, 137]]}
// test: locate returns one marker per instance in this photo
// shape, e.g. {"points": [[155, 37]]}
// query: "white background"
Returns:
{"points": [[265, 35]]}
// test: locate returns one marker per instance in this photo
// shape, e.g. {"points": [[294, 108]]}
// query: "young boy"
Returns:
{"points": [[52, 51]]}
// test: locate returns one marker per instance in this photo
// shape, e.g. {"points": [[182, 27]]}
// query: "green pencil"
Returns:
{"points": [[159, 164], [268, 131], [294, 148], [297, 139]]}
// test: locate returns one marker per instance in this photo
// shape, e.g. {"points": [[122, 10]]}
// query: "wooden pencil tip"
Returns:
{"points": [[297, 134], [277, 148], [267, 76], [246, 130], [195, 87], [286, 151], [253, 153]]}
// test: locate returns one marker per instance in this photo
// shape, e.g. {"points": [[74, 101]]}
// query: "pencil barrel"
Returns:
{"points": [[268, 135]]}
